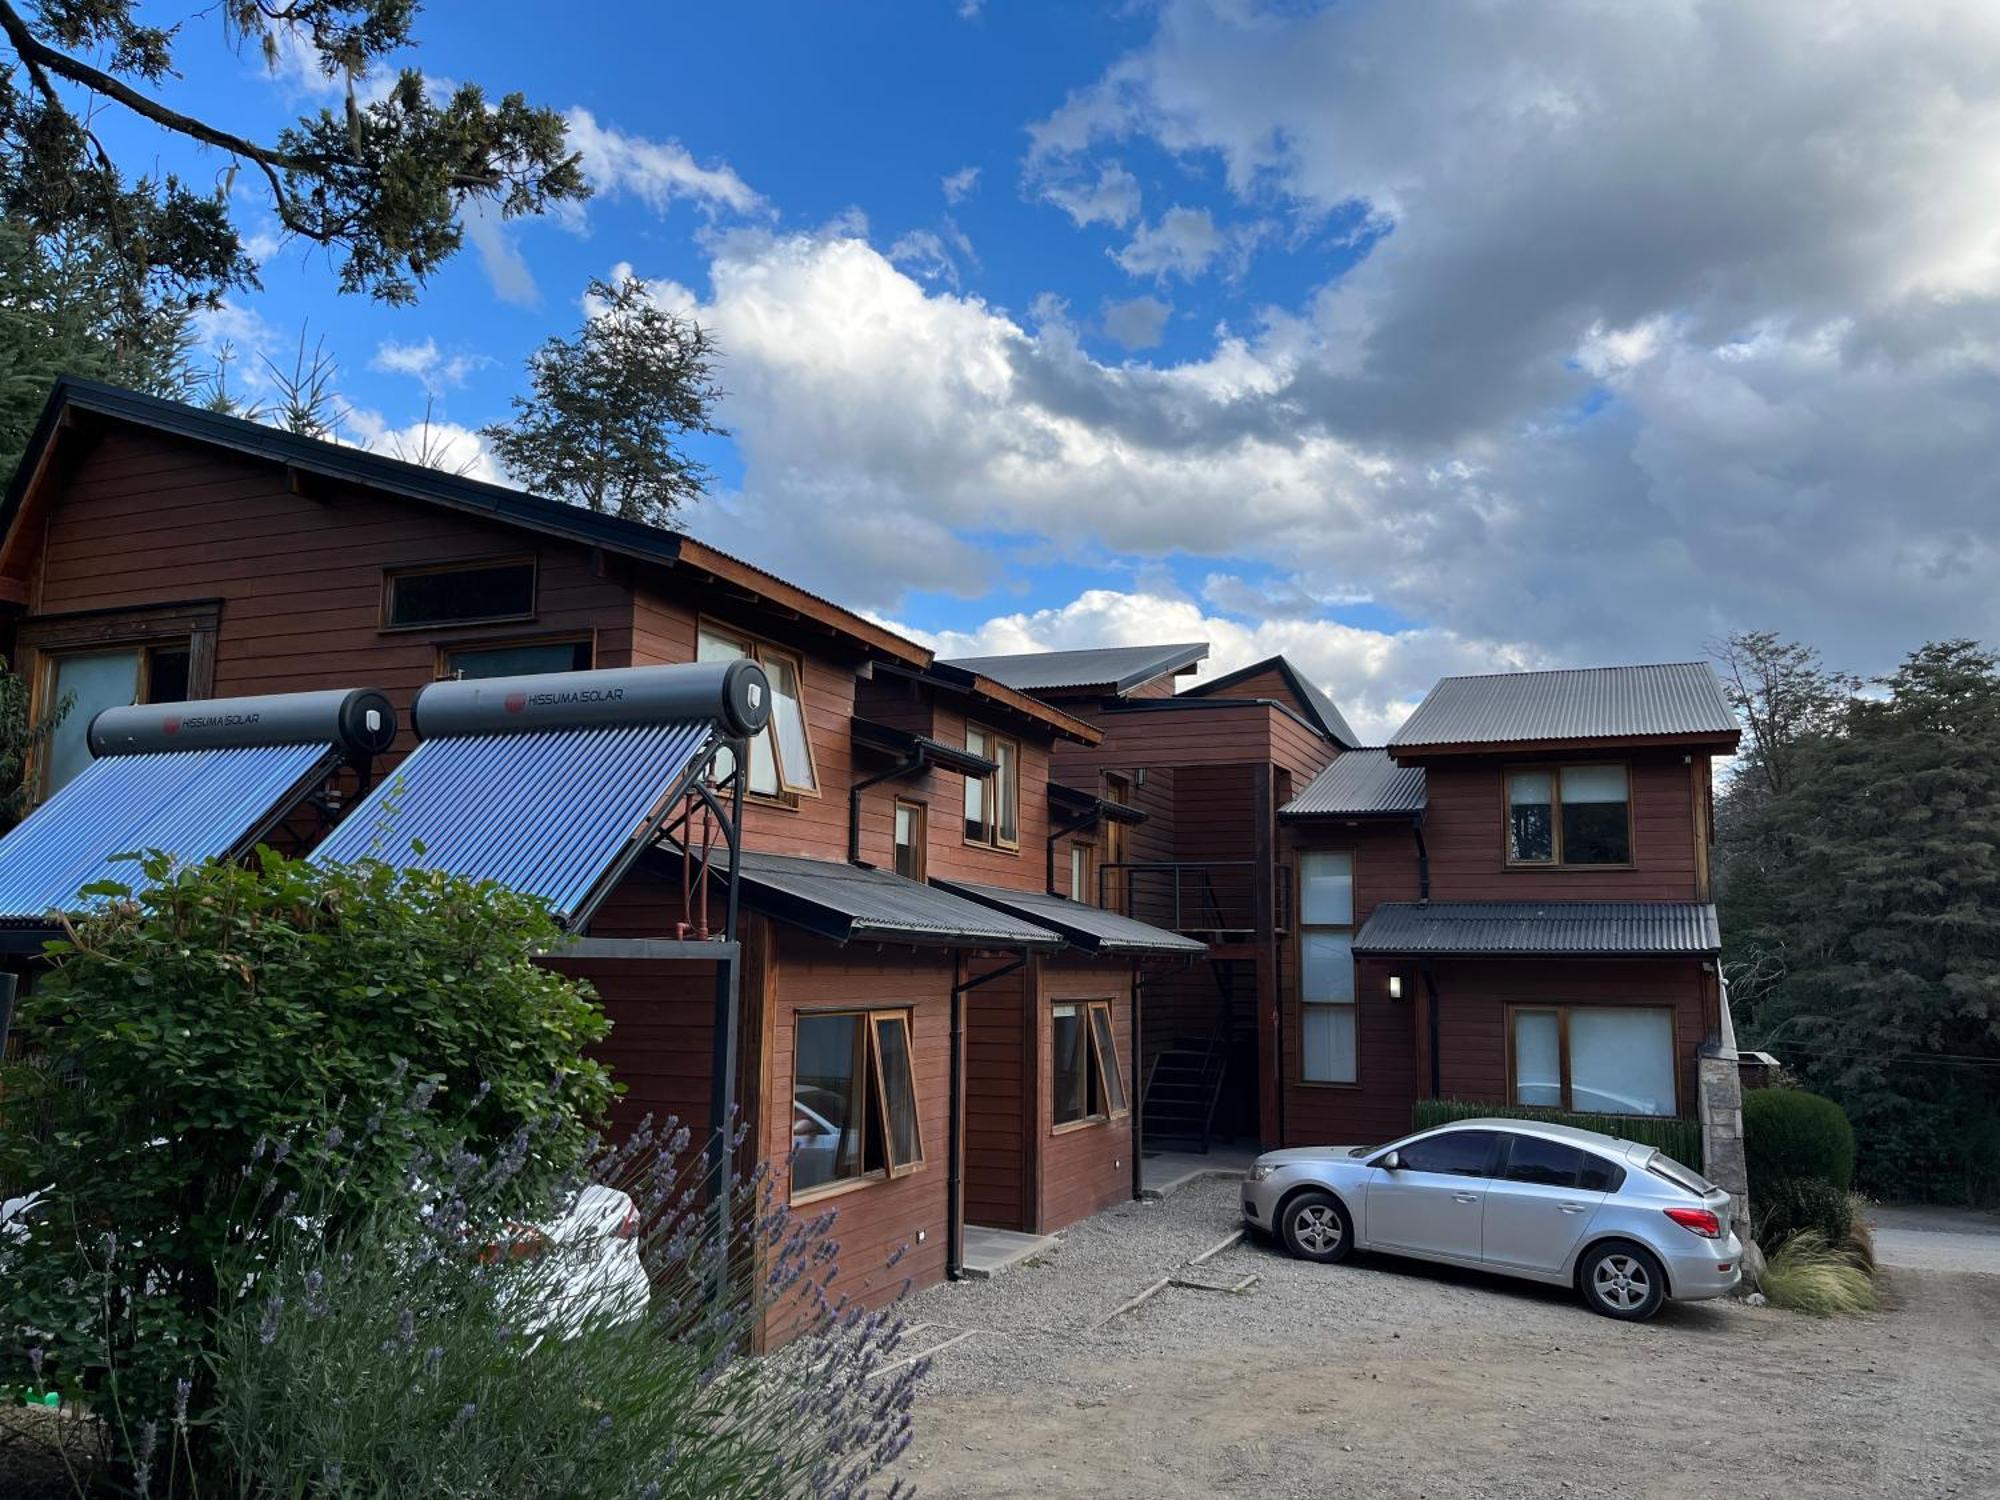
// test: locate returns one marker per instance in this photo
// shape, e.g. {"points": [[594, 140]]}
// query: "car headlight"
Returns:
{"points": [[1260, 1170]]}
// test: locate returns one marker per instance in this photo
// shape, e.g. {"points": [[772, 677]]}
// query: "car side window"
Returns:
{"points": [[1456, 1153], [1544, 1163], [1599, 1175]]}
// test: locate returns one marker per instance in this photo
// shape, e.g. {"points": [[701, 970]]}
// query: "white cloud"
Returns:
{"points": [[657, 173], [1112, 197], [426, 364], [1183, 243], [439, 445], [1139, 323], [959, 185], [506, 270], [923, 252]]}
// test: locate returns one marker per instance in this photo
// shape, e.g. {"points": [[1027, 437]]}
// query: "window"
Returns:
{"points": [[1082, 872], [1595, 1058], [781, 755], [516, 659], [1543, 1163], [911, 821], [992, 803], [1326, 967], [1569, 815], [462, 594], [1086, 1084], [1456, 1153], [854, 1099], [97, 680]]}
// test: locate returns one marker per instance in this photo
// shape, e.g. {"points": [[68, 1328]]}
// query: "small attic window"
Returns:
{"points": [[459, 594]]}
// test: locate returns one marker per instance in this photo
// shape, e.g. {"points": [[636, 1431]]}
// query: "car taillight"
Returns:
{"points": [[628, 1227], [1697, 1221]]}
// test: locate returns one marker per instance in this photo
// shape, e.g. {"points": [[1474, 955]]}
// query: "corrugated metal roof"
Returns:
{"points": [[1088, 927], [1318, 708], [1626, 929], [192, 804], [848, 903], [1117, 669], [1583, 704], [1360, 784], [545, 813]]}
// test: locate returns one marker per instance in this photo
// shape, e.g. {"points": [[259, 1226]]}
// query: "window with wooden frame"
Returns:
{"points": [[110, 659], [1594, 1059], [476, 592], [993, 803], [1569, 815], [1086, 1085], [1083, 871], [1327, 1001], [569, 653], [854, 1100], [781, 759], [912, 819]]}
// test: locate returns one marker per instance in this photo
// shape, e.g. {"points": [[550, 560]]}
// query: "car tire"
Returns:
{"points": [[1622, 1280], [1315, 1225]]}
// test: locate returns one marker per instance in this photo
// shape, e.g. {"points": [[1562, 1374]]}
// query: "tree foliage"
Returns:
{"points": [[381, 184], [227, 1015], [610, 406], [1866, 888]]}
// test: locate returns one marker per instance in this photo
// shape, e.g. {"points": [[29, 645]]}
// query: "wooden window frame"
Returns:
{"points": [[1303, 928], [1094, 1064], [987, 806], [1561, 1009], [756, 648], [1555, 770], [460, 565], [920, 821], [447, 649], [874, 1091]]}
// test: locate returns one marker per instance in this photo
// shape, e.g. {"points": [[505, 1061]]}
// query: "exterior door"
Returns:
{"points": [[1536, 1208], [1432, 1203]]}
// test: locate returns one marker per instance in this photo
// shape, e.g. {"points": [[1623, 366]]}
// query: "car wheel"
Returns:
{"points": [[1622, 1281], [1315, 1226]]}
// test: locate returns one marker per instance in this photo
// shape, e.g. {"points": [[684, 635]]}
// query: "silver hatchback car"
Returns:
{"points": [[1624, 1224]]}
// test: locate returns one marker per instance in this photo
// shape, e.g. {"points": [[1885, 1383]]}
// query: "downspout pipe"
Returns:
{"points": [[907, 767], [1138, 1104], [954, 1221], [1423, 859]]}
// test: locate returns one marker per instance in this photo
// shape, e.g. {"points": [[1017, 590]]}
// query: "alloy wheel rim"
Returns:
{"points": [[1317, 1228], [1621, 1282]]}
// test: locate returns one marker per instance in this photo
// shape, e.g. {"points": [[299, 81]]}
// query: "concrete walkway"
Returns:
{"points": [[988, 1252], [1167, 1172], [1929, 1238]]}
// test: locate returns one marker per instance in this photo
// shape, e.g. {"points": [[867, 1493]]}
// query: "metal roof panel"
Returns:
{"points": [[1674, 698], [852, 903], [1360, 783], [1117, 669], [1610, 929], [1088, 927]]}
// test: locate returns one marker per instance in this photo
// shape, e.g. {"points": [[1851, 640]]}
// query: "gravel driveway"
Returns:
{"points": [[1387, 1379]]}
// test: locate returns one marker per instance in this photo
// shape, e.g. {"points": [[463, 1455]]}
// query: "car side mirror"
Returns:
{"points": [[1390, 1161]]}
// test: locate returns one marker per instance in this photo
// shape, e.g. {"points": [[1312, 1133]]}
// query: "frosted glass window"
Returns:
{"points": [[1326, 889], [93, 681], [1621, 1061], [1538, 1058], [1327, 1044], [1326, 966]]}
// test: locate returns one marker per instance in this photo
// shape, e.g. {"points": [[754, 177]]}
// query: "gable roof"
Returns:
{"points": [[1360, 784], [1674, 700], [1115, 670], [1315, 705]]}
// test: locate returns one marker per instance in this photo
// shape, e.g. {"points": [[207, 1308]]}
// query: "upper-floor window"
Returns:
{"points": [[1326, 967], [1569, 815], [516, 658], [93, 681], [992, 803], [781, 757], [1082, 872], [910, 822], [472, 593]]}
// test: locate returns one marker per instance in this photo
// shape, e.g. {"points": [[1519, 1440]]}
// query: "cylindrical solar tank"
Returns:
{"points": [[360, 721], [734, 694]]}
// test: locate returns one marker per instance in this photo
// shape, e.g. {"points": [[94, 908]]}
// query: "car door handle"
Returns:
{"points": [[1572, 1208], [1465, 1197]]}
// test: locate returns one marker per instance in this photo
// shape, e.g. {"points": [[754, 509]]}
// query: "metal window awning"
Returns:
{"points": [[1541, 929], [853, 903], [547, 813], [1091, 928], [191, 804]]}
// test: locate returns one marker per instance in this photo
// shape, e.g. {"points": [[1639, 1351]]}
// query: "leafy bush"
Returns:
{"points": [[1810, 1275], [1789, 1135], [1802, 1205], [232, 1016], [1680, 1139]]}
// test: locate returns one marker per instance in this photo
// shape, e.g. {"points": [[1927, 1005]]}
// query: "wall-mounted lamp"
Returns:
{"points": [[1395, 986]]}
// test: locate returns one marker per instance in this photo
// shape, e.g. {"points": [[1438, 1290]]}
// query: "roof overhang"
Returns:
{"points": [[1019, 705], [1093, 930], [1541, 929], [846, 903], [1708, 743], [920, 748], [1089, 804]]}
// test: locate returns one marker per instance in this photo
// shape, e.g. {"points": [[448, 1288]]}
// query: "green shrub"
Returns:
{"points": [[230, 1018], [1680, 1139], [1789, 1134], [1800, 1206], [1810, 1275]]}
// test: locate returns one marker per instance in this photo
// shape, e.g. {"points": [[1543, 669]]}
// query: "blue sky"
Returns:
{"points": [[1401, 338]]}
